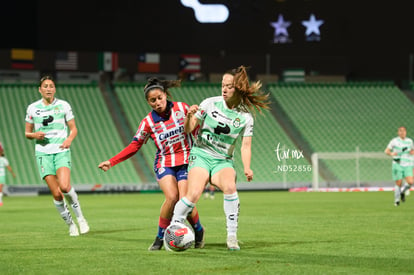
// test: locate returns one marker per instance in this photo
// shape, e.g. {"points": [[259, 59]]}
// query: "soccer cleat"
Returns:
{"points": [[73, 230], [83, 226], [402, 196], [232, 243], [157, 245], [1, 203], [397, 203], [199, 239]]}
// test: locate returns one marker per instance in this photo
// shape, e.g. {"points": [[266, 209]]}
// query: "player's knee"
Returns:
{"points": [[172, 198]]}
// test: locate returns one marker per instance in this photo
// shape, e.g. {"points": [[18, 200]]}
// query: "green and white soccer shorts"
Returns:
{"points": [[3, 179], [49, 164], [198, 158], [400, 172]]}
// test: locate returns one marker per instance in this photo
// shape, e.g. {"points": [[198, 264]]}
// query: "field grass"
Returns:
{"points": [[279, 233]]}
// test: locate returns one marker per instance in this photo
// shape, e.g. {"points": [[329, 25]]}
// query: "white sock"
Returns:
{"points": [[1, 196], [181, 210], [63, 210], [405, 187], [397, 193], [72, 198], [231, 210]]}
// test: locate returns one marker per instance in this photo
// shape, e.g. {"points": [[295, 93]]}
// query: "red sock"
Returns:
{"points": [[163, 223]]}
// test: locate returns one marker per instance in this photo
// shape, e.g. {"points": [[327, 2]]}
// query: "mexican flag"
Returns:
{"points": [[108, 61]]}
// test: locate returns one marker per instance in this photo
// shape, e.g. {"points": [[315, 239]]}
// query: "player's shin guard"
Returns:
{"points": [[72, 198], [231, 210], [181, 210], [63, 210]]}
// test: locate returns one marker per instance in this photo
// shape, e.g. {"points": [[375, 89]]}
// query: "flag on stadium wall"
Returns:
{"points": [[22, 59], [108, 61], [66, 61], [190, 63], [149, 63]]}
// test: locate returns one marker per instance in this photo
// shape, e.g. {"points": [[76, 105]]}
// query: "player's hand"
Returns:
{"points": [[105, 165], [193, 109], [249, 174], [40, 135], [66, 144]]}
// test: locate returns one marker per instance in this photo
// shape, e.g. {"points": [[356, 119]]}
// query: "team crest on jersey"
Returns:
{"points": [[236, 123], [57, 110], [179, 114]]}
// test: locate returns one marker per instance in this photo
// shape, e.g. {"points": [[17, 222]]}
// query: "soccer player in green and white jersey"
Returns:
{"points": [[401, 148], [4, 164], [47, 121], [222, 119]]}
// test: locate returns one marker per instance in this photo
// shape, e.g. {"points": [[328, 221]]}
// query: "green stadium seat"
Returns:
{"points": [[97, 139], [268, 132], [342, 117]]}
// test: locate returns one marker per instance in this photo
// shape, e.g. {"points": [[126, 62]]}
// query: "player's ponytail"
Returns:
{"points": [[251, 95]]}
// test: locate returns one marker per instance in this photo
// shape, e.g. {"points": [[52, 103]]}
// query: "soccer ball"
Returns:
{"points": [[178, 237]]}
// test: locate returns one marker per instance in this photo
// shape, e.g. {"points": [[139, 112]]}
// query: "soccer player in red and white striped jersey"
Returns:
{"points": [[165, 126]]}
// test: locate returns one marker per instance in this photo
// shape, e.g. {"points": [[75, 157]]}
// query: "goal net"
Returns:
{"points": [[351, 170]]}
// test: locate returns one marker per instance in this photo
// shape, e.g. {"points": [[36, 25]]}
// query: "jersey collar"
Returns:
{"points": [[157, 118]]}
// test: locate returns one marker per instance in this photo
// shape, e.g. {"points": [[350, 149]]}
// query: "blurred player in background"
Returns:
{"points": [[209, 191], [223, 119], [165, 126], [401, 148], [47, 121], [4, 164]]}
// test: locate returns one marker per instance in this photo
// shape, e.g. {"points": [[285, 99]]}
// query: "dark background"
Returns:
{"points": [[360, 39]]}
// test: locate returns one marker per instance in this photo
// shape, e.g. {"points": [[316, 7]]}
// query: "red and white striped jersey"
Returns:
{"points": [[173, 144]]}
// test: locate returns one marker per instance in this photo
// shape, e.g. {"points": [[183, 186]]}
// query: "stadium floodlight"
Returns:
{"points": [[207, 13]]}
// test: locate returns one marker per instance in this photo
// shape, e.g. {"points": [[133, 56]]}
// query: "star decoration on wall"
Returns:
{"points": [[280, 26], [312, 26]]}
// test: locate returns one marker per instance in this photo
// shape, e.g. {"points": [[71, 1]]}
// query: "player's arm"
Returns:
{"points": [[141, 137], [11, 171], [191, 121], [125, 154], [33, 135], [246, 155], [389, 152], [73, 132]]}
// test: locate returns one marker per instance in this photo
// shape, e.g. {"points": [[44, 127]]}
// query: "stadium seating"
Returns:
{"points": [[341, 117], [330, 117], [268, 133], [97, 139]]}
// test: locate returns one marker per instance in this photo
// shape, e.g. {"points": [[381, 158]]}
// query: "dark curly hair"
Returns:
{"points": [[164, 85]]}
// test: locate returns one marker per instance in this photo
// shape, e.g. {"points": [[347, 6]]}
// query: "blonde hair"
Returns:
{"points": [[251, 95]]}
